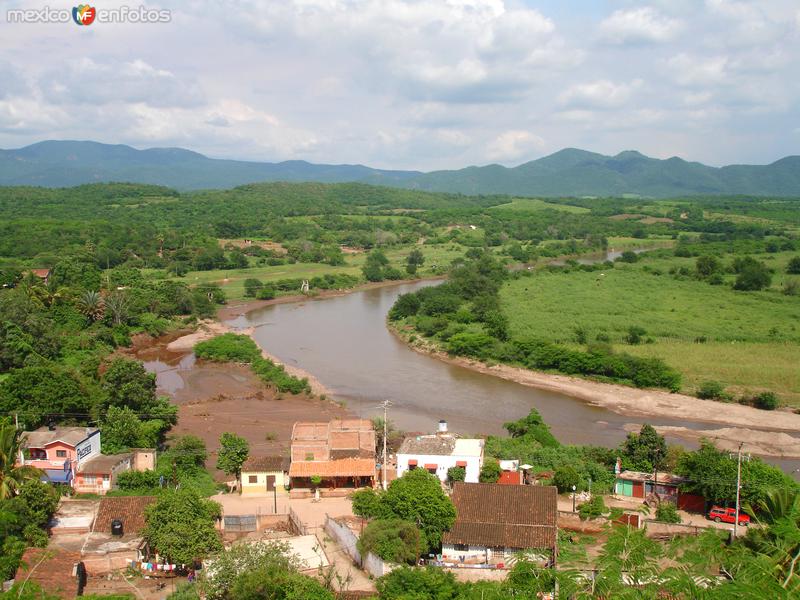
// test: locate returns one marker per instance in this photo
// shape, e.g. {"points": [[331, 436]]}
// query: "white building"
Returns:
{"points": [[439, 452]]}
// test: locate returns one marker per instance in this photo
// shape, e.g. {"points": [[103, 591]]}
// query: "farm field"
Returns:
{"points": [[748, 341]]}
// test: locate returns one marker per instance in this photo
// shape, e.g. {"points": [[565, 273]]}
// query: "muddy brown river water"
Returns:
{"points": [[344, 342]]}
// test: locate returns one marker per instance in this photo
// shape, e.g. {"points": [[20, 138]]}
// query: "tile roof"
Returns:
{"points": [[265, 464], [510, 478], [129, 509], [53, 573], [335, 439], [44, 436], [510, 516], [345, 467], [665, 478], [103, 463]]}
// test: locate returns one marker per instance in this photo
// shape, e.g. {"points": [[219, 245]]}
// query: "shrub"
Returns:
{"points": [[711, 390], [635, 335], [490, 472], [469, 343], [565, 477], [592, 509], [129, 481], [252, 286], [766, 401], [407, 305], [456, 474], [753, 276], [395, 540], [793, 268], [266, 293], [629, 256], [667, 513]]}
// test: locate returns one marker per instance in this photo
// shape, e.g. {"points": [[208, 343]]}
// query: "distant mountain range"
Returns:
{"points": [[569, 172]]}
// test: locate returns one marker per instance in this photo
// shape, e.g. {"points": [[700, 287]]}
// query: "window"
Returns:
{"points": [[252, 479], [461, 547], [89, 479], [61, 453], [106, 478]]}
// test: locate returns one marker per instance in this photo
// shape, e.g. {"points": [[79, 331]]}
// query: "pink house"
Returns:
{"points": [[59, 451]]}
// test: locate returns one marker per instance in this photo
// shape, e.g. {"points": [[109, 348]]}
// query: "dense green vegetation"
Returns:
{"points": [[232, 347]]}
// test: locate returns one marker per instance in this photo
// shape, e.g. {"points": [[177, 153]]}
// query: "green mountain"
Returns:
{"points": [[569, 172]]}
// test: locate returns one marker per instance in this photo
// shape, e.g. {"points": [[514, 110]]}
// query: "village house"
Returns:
{"points": [[666, 486], [264, 475], [72, 456], [495, 522], [439, 452], [340, 452]]}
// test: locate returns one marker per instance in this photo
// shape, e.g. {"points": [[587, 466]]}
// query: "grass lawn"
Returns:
{"points": [[232, 280], [752, 338], [534, 204]]}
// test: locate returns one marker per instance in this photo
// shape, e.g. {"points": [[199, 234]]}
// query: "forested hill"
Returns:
{"points": [[569, 172]]}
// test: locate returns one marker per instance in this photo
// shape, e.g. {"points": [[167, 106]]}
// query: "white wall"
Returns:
{"points": [[88, 448], [443, 462]]}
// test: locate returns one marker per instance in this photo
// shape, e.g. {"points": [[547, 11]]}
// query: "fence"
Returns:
{"points": [[296, 525], [240, 523], [671, 530]]}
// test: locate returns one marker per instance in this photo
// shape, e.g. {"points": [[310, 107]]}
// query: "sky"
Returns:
{"points": [[420, 85]]}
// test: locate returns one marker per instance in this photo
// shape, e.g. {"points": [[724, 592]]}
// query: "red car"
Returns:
{"points": [[728, 515]]}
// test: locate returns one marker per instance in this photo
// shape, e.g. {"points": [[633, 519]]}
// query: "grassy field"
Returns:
{"points": [[232, 280], [749, 341], [534, 204]]}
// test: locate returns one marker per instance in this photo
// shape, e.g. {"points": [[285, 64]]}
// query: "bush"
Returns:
{"points": [[490, 472], [793, 268], [228, 347], [629, 256], [394, 540], [592, 509], [456, 474], [406, 305], [753, 276], [667, 513], [266, 293], [470, 343], [129, 481], [565, 477], [635, 335], [252, 286], [711, 390], [766, 401]]}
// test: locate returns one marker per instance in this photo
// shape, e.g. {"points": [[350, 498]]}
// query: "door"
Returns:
{"points": [[627, 487], [270, 483]]}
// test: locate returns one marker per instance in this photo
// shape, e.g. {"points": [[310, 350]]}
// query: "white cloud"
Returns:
{"points": [[599, 94], [638, 25], [513, 145]]}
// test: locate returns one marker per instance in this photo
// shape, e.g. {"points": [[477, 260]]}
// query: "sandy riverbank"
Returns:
{"points": [[757, 428]]}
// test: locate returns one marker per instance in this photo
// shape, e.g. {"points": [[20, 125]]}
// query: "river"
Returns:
{"points": [[344, 342]]}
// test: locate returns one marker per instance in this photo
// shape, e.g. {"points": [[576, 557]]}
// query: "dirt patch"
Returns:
{"points": [[651, 220], [245, 243], [625, 216], [216, 397], [766, 443]]}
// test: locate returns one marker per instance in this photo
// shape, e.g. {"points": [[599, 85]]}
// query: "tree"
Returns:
{"points": [[532, 427], [409, 583], [36, 502], [667, 513], [414, 260], [118, 306], [490, 472], [12, 477], [263, 583], [91, 305], [456, 474], [242, 557], [394, 540], [374, 265], [233, 451], [793, 267], [707, 266], [121, 430], [753, 276], [416, 497], [189, 453], [180, 526], [127, 383], [646, 450], [252, 286], [565, 477]]}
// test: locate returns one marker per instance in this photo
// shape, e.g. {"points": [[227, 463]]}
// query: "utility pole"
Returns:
{"points": [[386, 404], [738, 487]]}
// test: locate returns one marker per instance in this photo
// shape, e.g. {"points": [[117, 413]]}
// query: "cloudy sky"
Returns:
{"points": [[420, 84]]}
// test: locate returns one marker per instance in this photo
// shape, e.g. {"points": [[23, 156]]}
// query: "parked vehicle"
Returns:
{"points": [[728, 515]]}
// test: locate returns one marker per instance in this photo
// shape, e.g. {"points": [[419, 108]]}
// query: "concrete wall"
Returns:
{"points": [[443, 463], [144, 459], [259, 488], [347, 540]]}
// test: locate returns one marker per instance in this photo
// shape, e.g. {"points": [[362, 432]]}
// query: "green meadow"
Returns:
{"points": [[748, 341]]}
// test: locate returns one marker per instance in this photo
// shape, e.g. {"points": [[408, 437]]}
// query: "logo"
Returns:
{"points": [[84, 14]]}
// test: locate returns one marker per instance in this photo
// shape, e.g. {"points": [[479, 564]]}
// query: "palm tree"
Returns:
{"points": [[11, 475], [91, 305], [117, 305]]}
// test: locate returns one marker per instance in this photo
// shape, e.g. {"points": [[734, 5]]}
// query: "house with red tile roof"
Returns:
{"points": [[341, 452], [495, 522]]}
